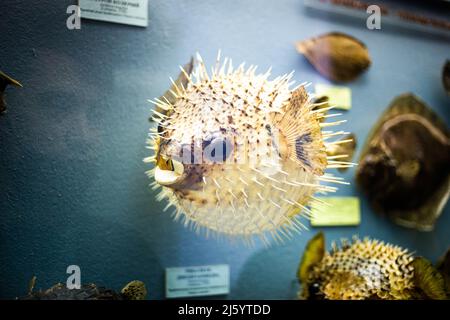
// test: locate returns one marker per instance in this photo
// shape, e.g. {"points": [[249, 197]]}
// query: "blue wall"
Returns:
{"points": [[72, 182]]}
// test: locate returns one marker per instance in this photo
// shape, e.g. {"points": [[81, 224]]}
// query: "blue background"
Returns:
{"points": [[72, 182]]}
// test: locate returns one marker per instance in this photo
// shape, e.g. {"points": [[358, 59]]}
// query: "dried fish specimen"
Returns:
{"points": [[343, 151], [337, 56], [134, 290], [87, 292], [180, 82], [5, 80], [446, 76], [240, 155], [366, 269], [404, 167]]}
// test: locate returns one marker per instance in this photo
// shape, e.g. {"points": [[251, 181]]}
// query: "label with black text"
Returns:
{"points": [[132, 12], [197, 281]]}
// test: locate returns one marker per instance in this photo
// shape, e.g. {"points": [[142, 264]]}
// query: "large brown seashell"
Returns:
{"points": [[446, 76], [404, 167], [337, 56]]}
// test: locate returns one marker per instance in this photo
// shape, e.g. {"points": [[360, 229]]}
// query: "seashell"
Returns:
{"points": [[446, 76], [337, 56], [404, 165]]}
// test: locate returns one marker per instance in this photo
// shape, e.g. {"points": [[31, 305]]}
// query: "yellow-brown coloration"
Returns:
{"points": [[134, 290], [337, 56], [6, 80], [362, 269], [239, 154]]}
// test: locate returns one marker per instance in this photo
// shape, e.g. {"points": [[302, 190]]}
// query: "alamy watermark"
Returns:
{"points": [[73, 22], [74, 280], [374, 20]]}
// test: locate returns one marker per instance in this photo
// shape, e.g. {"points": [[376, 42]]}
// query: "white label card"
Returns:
{"points": [[197, 281], [132, 12]]}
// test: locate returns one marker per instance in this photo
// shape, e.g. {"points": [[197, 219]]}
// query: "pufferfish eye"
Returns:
{"points": [[314, 291], [217, 149]]}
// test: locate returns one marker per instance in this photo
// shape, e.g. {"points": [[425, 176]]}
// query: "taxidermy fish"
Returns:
{"points": [[366, 269], [239, 154], [134, 290]]}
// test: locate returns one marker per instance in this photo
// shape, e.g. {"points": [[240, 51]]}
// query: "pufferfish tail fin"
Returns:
{"points": [[300, 133]]}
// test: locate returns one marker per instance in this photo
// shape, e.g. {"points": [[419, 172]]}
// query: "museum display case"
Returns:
{"points": [[257, 149]]}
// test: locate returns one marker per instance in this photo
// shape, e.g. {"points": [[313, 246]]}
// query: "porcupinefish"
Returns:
{"points": [[366, 269], [134, 290], [239, 154]]}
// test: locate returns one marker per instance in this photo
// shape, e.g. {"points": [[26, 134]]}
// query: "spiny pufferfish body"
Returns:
{"points": [[240, 154], [372, 267], [361, 269]]}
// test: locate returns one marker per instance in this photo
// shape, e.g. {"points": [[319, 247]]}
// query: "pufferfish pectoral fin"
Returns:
{"points": [[313, 254], [430, 282], [300, 133]]}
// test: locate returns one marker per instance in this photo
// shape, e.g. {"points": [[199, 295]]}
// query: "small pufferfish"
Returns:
{"points": [[366, 269], [239, 154]]}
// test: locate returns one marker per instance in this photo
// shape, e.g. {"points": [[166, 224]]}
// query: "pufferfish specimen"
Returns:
{"points": [[239, 154], [366, 269], [134, 290]]}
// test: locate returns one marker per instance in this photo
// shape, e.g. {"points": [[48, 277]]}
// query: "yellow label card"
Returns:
{"points": [[338, 211], [340, 97]]}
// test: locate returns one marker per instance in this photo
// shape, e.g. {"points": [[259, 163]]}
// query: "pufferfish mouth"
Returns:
{"points": [[168, 171]]}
